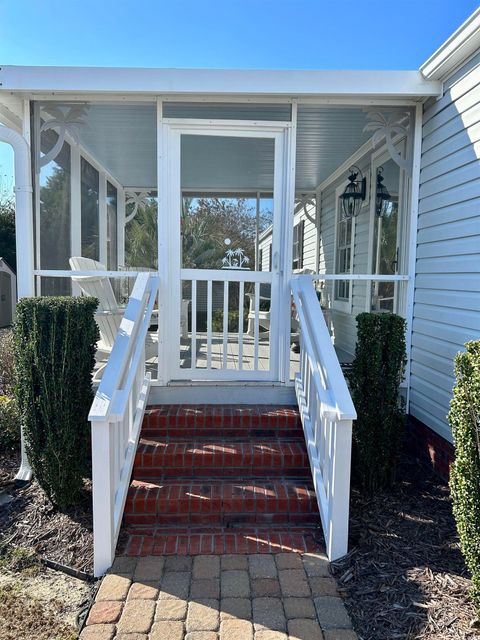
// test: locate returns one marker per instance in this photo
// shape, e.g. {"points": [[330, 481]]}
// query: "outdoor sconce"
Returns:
{"points": [[382, 196], [354, 193]]}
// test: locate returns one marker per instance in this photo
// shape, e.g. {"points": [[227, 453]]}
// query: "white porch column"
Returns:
{"points": [[23, 237]]}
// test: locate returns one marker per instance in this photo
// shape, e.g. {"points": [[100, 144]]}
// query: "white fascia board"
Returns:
{"points": [[80, 80], [454, 51]]}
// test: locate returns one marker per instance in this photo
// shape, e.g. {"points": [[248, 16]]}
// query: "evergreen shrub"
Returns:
{"points": [[464, 418], [54, 348], [375, 377]]}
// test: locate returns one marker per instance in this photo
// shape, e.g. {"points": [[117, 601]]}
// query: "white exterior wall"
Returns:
{"points": [[447, 281]]}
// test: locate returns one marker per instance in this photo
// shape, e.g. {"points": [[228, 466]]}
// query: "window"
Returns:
{"points": [[344, 238], [270, 257], [260, 259], [298, 232]]}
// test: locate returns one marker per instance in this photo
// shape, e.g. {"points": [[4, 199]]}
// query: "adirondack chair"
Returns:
{"points": [[109, 315]]}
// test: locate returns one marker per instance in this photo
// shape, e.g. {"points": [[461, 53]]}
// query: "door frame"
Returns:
{"points": [[169, 202]]}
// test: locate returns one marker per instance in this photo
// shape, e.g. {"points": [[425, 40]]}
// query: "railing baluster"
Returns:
{"points": [[209, 324], [225, 324], [241, 290], [193, 359], [256, 324]]}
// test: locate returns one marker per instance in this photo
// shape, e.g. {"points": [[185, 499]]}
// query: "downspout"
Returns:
{"points": [[23, 238]]}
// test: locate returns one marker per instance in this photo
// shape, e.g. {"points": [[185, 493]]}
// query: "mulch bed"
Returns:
{"points": [[404, 577], [29, 520]]}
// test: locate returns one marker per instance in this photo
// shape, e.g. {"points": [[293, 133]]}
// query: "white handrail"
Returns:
{"points": [[116, 417], [327, 412]]}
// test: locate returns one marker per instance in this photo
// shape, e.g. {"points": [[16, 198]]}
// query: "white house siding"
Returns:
{"points": [[447, 281], [344, 324]]}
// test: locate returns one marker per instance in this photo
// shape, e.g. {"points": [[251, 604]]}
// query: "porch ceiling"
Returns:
{"points": [[122, 138]]}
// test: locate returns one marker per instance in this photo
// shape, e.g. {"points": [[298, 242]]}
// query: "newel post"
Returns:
{"points": [[339, 503], [103, 496]]}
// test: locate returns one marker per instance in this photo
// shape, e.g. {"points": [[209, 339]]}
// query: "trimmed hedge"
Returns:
{"points": [[464, 417], [375, 377], [54, 342]]}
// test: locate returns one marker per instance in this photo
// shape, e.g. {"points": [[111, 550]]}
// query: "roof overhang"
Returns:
{"points": [[91, 80], [454, 51]]}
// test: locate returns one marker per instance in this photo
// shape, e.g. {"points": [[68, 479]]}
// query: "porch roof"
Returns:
{"points": [[286, 83]]}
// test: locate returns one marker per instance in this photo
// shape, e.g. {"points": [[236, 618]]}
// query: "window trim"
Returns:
{"points": [[344, 306]]}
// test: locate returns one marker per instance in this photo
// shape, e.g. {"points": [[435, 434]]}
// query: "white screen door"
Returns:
{"points": [[225, 207]]}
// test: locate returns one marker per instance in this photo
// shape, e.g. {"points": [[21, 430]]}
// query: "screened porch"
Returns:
{"points": [[230, 227]]}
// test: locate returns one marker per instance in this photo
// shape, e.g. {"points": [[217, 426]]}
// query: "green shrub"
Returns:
{"points": [[54, 342], [9, 424], [375, 378], [233, 316], [464, 418], [6, 363]]}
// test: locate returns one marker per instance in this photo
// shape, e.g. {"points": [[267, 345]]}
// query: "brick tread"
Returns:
{"points": [[137, 541], [156, 459], [219, 502]]}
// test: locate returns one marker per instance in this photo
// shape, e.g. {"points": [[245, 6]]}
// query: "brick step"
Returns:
{"points": [[220, 503], [156, 459], [220, 421], [141, 541]]}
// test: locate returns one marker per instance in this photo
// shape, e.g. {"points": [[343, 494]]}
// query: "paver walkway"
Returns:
{"points": [[283, 596]]}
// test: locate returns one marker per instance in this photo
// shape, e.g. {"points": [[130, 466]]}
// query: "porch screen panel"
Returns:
{"points": [[54, 214], [227, 111], [112, 256], [226, 222], [90, 211], [385, 241]]}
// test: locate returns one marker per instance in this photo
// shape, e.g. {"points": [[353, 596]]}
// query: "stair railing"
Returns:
{"points": [[327, 412], [116, 417]]}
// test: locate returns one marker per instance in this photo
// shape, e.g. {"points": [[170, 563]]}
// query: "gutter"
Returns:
{"points": [[463, 43]]}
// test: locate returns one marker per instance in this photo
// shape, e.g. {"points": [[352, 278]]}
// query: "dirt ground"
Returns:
{"points": [[404, 577], [40, 605]]}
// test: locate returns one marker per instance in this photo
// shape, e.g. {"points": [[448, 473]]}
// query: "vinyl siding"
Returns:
{"points": [[447, 278]]}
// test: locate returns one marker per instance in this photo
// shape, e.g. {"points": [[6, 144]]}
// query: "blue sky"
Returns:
{"points": [[286, 34]]}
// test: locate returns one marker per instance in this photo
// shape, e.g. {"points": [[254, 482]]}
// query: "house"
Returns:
{"points": [[360, 190]]}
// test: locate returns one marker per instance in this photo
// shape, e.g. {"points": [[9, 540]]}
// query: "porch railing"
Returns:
{"points": [[327, 412], [116, 417]]}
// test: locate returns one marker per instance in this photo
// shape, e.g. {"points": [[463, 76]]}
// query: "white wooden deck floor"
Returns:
{"points": [[233, 353]]}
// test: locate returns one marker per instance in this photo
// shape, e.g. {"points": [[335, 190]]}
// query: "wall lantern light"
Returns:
{"points": [[382, 196], [354, 193]]}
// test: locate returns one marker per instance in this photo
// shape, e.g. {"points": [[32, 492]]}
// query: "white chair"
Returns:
{"points": [[108, 315]]}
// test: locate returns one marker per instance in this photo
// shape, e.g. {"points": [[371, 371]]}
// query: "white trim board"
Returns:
{"points": [[406, 84]]}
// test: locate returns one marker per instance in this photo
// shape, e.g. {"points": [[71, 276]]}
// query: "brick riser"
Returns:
{"points": [[221, 503], [156, 459]]}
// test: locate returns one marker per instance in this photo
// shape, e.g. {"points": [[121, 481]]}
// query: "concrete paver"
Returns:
{"points": [[283, 596]]}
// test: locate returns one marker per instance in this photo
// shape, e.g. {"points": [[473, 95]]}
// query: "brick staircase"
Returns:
{"points": [[220, 479]]}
